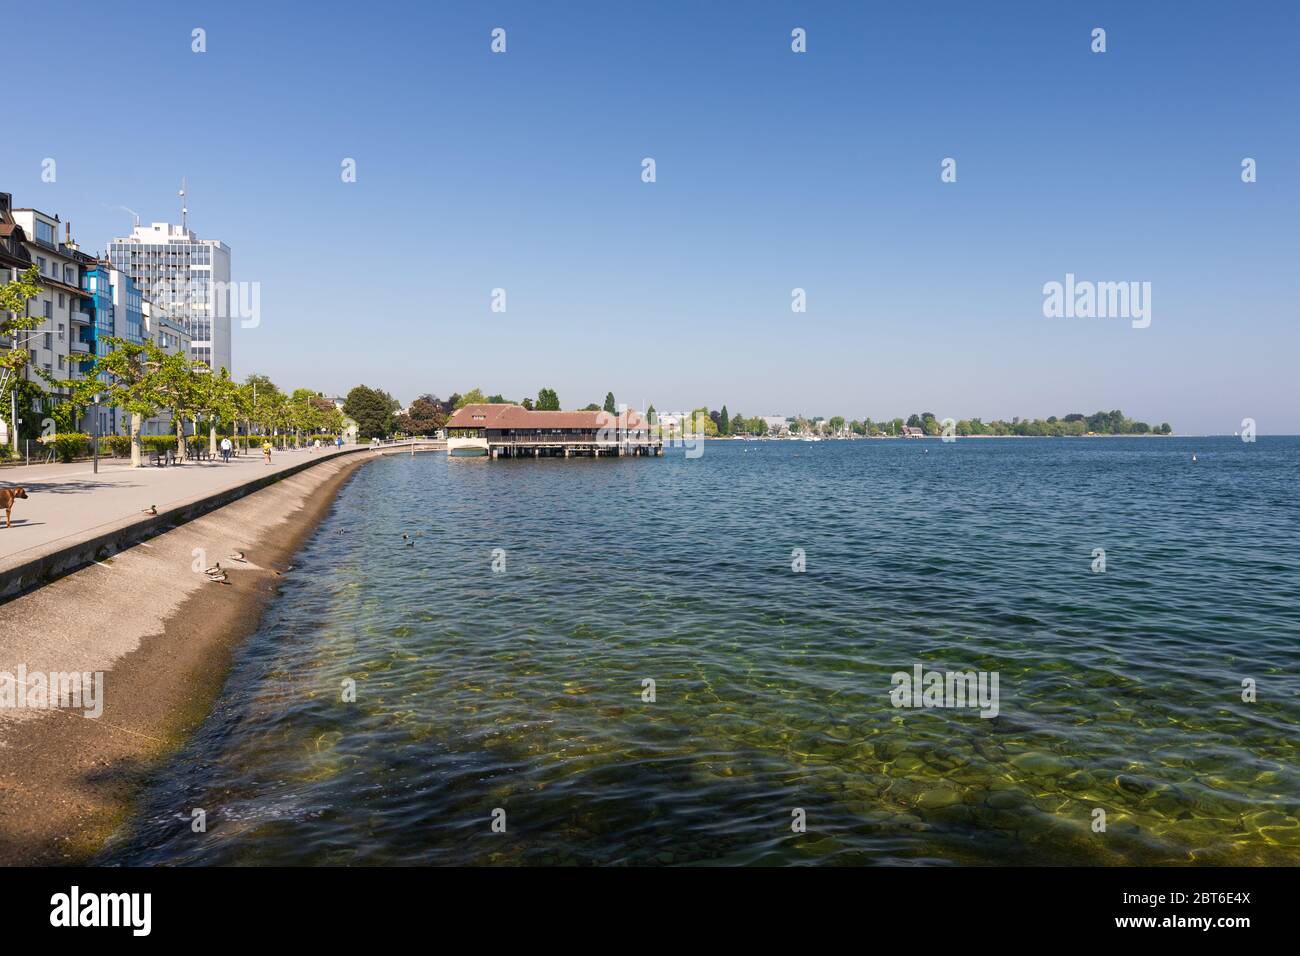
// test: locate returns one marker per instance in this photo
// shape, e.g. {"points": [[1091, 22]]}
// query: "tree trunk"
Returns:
{"points": [[135, 440], [180, 437], [212, 437]]}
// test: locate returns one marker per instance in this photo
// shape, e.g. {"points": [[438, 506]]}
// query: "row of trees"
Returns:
{"points": [[1075, 424], [721, 423], [145, 381]]}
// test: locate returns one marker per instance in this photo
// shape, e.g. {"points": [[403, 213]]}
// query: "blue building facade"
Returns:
{"points": [[97, 301]]}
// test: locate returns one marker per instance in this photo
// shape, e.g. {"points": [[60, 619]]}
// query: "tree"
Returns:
{"points": [[14, 297], [527, 403], [135, 380], [425, 416], [220, 402], [724, 422], [178, 390], [700, 424], [593, 407], [548, 400], [609, 403], [372, 409], [473, 397]]}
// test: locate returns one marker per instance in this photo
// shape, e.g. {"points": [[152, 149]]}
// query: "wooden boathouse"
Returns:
{"points": [[512, 431]]}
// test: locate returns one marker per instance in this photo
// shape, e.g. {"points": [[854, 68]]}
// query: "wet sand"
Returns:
{"points": [[163, 634]]}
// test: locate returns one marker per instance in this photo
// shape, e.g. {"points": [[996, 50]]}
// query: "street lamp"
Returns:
{"points": [[95, 440]]}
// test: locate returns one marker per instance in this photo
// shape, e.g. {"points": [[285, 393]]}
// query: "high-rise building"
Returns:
{"points": [[186, 279]]}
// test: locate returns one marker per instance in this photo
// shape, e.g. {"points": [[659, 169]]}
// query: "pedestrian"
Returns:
{"points": [[338, 441], [226, 448], [266, 451]]}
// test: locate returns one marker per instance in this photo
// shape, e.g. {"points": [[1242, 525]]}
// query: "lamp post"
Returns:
{"points": [[95, 440]]}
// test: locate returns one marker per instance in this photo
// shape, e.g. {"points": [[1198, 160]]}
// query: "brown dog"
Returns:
{"points": [[7, 496]]}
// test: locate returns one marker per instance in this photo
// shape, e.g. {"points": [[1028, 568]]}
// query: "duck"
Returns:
{"points": [[219, 578], [237, 556], [215, 569], [151, 510]]}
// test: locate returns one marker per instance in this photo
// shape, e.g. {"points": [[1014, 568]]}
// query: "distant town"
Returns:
{"points": [[428, 414]]}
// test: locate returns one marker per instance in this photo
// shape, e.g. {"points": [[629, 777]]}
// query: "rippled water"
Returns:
{"points": [[522, 690]]}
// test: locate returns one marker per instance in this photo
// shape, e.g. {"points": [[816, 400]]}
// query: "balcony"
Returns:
{"points": [[82, 317], [82, 348]]}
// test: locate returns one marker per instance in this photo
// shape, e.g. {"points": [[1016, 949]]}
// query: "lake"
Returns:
{"points": [[524, 689]]}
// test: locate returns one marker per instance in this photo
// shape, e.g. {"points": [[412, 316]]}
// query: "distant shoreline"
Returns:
{"points": [[940, 437]]}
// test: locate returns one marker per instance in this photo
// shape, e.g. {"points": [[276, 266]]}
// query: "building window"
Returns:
{"points": [[49, 340]]}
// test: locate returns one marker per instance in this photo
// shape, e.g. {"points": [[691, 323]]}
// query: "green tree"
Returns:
{"points": [[724, 422], [548, 400], [700, 423], [474, 396], [372, 409], [609, 404], [14, 297], [135, 382], [220, 401], [424, 417]]}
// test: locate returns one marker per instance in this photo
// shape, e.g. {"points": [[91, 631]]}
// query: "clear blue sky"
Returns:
{"points": [[775, 170]]}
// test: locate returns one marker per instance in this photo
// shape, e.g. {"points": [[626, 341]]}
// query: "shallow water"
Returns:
{"points": [[522, 690]]}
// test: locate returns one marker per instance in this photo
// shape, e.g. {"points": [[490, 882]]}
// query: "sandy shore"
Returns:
{"points": [[163, 636]]}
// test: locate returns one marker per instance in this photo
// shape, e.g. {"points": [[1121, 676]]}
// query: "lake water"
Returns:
{"points": [[522, 689]]}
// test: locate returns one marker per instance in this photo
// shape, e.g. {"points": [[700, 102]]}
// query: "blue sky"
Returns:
{"points": [[775, 171]]}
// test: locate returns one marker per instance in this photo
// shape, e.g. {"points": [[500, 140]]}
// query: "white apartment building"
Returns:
{"points": [[185, 278], [55, 346]]}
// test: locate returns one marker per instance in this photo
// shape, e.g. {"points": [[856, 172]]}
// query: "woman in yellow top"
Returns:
{"points": [[266, 451]]}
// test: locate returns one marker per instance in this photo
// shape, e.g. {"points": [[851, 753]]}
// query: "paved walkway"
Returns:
{"points": [[69, 502]]}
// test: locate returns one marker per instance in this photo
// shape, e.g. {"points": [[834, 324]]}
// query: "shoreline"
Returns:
{"points": [[164, 637]]}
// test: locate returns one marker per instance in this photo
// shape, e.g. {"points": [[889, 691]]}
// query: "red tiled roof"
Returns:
{"points": [[516, 416]]}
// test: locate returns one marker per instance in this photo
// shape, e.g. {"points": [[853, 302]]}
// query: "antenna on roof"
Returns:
{"points": [[184, 210]]}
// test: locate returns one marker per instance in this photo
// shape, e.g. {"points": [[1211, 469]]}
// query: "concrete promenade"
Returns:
{"points": [[69, 505]]}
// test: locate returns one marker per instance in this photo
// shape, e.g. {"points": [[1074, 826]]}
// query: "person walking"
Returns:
{"points": [[266, 451], [226, 448], [338, 441]]}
